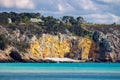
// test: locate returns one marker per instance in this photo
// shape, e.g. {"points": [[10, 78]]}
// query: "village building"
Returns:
{"points": [[9, 20], [36, 20]]}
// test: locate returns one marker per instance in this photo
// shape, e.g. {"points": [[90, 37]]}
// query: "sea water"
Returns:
{"points": [[59, 71]]}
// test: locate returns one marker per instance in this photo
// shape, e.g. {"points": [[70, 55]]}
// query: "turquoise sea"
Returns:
{"points": [[59, 71]]}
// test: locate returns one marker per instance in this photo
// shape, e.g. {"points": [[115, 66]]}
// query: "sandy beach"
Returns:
{"points": [[64, 60]]}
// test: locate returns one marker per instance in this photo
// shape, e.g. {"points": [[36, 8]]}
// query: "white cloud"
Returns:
{"points": [[24, 4], [103, 18], [99, 11], [6, 3], [65, 7], [87, 4], [111, 1], [115, 18], [27, 4], [60, 7]]}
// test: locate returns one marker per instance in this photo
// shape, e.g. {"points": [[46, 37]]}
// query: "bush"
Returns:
{"points": [[3, 42], [96, 36], [89, 36]]}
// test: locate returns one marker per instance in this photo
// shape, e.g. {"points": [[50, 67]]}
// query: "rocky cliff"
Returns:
{"points": [[108, 39], [62, 45], [53, 46], [104, 45]]}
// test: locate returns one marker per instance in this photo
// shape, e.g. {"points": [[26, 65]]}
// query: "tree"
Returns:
{"points": [[65, 19], [72, 20], [69, 19], [37, 15], [13, 16], [49, 21], [80, 19], [26, 19], [4, 18], [77, 30], [96, 36]]}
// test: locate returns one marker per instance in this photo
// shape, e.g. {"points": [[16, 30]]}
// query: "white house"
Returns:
{"points": [[35, 20], [9, 20]]}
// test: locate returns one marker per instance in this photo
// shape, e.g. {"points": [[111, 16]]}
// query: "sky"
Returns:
{"points": [[94, 11]]}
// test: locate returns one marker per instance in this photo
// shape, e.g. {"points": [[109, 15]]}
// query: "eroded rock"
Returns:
{"points": [[14, 54], [63, 46]]}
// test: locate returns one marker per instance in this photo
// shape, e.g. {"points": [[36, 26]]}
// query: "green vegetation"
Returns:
{"points": [[3, 42], [17, 17], [22, 22], [89, 36], [50, 24]]}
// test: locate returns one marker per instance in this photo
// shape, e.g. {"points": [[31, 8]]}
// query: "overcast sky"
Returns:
{"points": [[96, 11]]}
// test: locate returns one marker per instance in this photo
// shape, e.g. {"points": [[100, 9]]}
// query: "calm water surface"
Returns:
{"points": [[59, 71]]}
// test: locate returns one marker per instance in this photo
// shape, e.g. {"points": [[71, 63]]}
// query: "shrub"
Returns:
{"points": [[3, 42]]}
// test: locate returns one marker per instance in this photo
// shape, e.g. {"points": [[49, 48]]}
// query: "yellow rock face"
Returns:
{"points": [[35, 49], [55, 46], [88, 48], [51, 46]]}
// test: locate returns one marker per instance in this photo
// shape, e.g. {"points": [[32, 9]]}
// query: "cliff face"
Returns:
{"points": [[108, 39], [103, 47], [50, 46], [114, 40], [61, 46], [4, 55], [54, 46], [35, 48], [88, 49]]}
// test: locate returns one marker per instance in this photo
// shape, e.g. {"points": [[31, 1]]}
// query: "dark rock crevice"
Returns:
{"points": [[14, 54]]}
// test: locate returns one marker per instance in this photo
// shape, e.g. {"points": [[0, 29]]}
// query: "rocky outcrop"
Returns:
{"points": [[88, 49], [35, 48], [114, 41], [108, 39], [49, 46], [4, 55], [12, 54], [103, 47], [60, 46], [4, 31]]}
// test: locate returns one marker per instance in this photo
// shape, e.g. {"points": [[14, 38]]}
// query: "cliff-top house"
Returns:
{"points": [[36, 20]]}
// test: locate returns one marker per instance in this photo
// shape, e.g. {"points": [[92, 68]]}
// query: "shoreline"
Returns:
{"points": [[45, 60], [54, 60], [64, 60]]}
